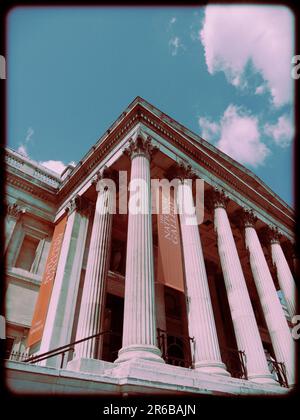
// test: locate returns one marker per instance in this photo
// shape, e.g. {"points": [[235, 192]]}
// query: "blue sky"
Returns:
{"points": [[222, 72]]}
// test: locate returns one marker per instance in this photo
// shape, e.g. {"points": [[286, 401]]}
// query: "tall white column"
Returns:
{"points": [[139, 327], [61, 312], [243, 318], [284, 274], [201, 322], [93, 295], [273, 313], [13, 214]]}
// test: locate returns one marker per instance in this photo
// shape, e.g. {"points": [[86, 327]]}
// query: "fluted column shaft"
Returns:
{"points": [[201, 320], [285, 277], [276, 322], [139, 326], [244, 322], [92, 302]]}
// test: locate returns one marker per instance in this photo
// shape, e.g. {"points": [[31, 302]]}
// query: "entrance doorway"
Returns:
{"points": [[113, 321], [174, 342]]}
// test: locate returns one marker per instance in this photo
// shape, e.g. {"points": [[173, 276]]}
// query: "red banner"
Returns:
{"points": [[169, 264], [43, 300]]}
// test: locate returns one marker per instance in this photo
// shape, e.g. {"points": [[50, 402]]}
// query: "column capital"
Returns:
{"points": [[140, 144], [245, 217], [79, 204], [180, 170], [14, 210], [216, 198], [105, 173], [270, 235]]}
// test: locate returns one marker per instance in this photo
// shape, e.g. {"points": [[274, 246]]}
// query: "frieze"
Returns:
{"points": [[32, 189]]}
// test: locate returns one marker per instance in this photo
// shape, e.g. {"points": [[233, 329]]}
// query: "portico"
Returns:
{"points": [[227, 320]]}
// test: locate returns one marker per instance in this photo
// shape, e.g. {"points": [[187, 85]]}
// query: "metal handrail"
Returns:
{"points": [[62, 350], [162, 336], [230, 357], [279, 369]]}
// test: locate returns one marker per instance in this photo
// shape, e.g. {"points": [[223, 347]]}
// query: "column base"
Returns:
{"points": [[215, 368], [139, 351], [263, 379]]}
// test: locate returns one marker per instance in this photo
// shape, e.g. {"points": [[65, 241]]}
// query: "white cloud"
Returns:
{"points": [[22, 149], [238, 136], [54, 165], [173, 20], [282, 132], [233, 35], [209, 129], [30, 133], [260, 90], [175, 44]]}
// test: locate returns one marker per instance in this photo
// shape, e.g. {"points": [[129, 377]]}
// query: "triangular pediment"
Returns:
{"points": [[214, 162]]}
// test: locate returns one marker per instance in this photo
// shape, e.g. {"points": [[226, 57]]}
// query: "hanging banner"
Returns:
{"points": [[43, 300], [169, 263]]}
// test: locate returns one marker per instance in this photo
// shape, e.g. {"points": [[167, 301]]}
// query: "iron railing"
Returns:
{"points": [[16, 356], [278, 371], [184, 344], [61, 350], [235, 361]]}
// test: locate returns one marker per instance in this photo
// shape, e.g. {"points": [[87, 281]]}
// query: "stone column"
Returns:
{"points": [[13, 214], [93, 295], [284, 274], [243, 318], [276, 322], [201, 321], [60, 317], [139, 327]]}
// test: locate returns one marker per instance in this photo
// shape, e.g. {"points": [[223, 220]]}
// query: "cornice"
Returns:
{"points": [[29, 187], [211, 159], [211, 165], [99, 151], [228, 161], [208, 159]]}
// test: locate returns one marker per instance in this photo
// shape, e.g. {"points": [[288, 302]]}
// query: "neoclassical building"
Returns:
{"points": [[101, 298]]}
